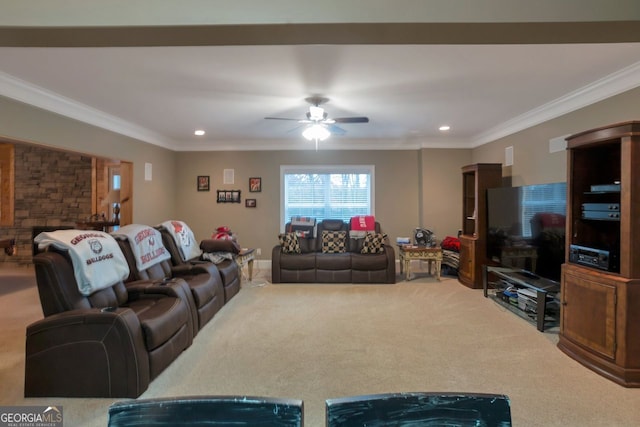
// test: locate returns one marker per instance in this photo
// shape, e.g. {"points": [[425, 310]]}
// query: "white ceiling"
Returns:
{"points": [[410, 69], [227, 85], [162, 94]]}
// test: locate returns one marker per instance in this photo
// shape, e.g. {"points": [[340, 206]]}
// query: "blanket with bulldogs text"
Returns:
{"points": [[146, 244], [98, 262]]}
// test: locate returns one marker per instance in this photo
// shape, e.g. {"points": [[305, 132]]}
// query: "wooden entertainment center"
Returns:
{"points": [[476, 179], [600, 290]]}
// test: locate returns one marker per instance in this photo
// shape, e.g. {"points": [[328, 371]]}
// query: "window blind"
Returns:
{"points": [[327, 193]]}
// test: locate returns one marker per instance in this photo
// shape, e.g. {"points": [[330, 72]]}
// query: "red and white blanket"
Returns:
{"points": [[361, 225], [184, 238], [146, 244], [98, 262]]}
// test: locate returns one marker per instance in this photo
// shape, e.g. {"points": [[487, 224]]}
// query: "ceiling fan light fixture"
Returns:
{"points": [[316, 132], [316, 113]]}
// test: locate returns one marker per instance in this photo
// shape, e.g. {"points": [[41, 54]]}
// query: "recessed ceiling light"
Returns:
{"points": [[444, 128], [199, 132]]}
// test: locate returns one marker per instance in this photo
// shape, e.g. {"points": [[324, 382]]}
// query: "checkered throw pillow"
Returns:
{"points": [[373, 243], [289, 243], [333, 242]]}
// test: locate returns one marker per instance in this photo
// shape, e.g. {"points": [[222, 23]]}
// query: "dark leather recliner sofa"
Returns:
{"points": [[228, 270], [205, 287], [312, 265], [111, 343]]}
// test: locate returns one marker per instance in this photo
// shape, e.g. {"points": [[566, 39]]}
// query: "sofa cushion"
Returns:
{"points": [[289, 243], [373, 243], [333, 225], [337, 261], [298, 261], [355, 244], [307, 245], [369, 261], [334, 242]]}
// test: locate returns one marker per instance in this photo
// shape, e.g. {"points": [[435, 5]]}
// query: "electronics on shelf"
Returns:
{"points": [[592, 257]]}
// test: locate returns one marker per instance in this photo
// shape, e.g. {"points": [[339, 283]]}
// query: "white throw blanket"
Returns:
{"points": [[146, 244], [184, 238], [98, 262]]}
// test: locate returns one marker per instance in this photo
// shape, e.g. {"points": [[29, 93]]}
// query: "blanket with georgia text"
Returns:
{"points": [[146, 244], [98, 262]]}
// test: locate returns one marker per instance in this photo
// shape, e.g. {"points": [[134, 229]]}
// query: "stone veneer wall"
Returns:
{"points": [[52, 188]]}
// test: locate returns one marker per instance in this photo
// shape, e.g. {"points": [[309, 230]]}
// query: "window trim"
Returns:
{"points": [[325, 169]]}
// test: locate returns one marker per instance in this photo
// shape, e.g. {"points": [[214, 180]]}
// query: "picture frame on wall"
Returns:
{"points": [[203, 183], [255, 184], [250, 203], [228, 196]]}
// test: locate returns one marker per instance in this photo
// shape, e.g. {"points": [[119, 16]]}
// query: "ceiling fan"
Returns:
{"points": [[318, 125]]}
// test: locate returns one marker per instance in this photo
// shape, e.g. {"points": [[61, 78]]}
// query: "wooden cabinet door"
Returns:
{"points": [[126, 193], [589, 314], [466, 265]]}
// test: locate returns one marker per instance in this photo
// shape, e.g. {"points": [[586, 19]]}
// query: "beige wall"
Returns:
{"points": [[441, 190], [413, 187], [532, 162], [396, 190], [153, 201]]}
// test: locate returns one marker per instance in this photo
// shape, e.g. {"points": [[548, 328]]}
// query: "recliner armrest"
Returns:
{"points": [[275, 264], [173, 287], [183, 269], [86, 353]]}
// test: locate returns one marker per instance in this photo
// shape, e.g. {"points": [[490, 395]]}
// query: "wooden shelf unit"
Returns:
{"points": [[600, 307], [476, 179]]}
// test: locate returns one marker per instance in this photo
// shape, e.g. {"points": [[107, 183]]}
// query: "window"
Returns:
{"points": [[542, 198], [336, 192]]}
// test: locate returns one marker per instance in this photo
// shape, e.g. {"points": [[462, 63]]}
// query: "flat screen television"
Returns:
{"points": [[526, 227]]}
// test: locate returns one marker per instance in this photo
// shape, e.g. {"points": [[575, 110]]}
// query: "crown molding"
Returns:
{"points": [[298, 145], [14, 88], [621, 81]]}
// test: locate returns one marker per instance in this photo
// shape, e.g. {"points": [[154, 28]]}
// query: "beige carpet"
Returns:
{"points": [[315, 342]]}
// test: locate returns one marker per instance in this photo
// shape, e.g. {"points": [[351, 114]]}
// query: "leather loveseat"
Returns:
{"points": [[111, 343], [325, 259]]}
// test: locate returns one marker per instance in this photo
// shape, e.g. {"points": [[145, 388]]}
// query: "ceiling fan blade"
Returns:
{"points": [[280, 118], [351, 120], [336, 130]]}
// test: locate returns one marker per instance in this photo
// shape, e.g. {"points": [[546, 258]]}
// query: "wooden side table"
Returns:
{"points": [[408, 253], [246, 257]]}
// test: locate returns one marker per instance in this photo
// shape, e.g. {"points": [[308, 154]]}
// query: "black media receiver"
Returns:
{"points": [[592, 257]]}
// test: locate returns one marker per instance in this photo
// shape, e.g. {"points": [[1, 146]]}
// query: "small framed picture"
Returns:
{"points": [[203, 182], [250, 203], [255, 185]]}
